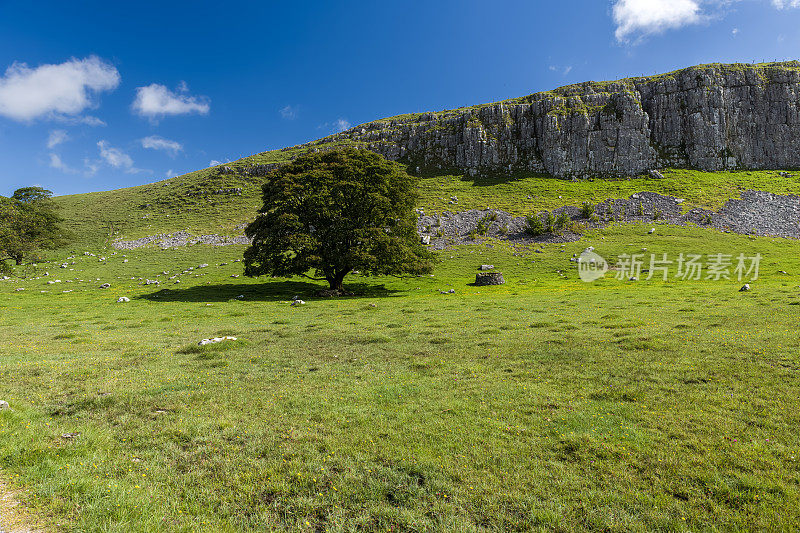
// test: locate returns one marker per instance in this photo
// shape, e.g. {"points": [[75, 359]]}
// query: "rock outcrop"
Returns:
{"points": [[711, 117]]}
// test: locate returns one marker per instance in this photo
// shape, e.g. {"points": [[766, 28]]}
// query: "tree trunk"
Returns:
{"points": [[336, 281]]}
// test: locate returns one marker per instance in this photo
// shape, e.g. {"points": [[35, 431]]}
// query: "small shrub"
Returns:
{"points": [[484, 224], [535, 226], [657, 214], [550, 222], [587, 209], [594, 219], [640, 209], [577, 227], [563, 221]]}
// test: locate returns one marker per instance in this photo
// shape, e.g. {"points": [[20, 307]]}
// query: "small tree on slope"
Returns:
{"points": [[29, 224], [333, 213]]}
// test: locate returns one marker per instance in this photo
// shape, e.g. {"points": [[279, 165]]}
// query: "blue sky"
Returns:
{"points": [[102, 95]]}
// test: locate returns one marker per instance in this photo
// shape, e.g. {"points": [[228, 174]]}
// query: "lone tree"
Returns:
{"points": [[29, 223], [333, 213]]}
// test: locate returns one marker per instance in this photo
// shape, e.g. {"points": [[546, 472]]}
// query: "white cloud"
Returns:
{"points": [[288, 112], [56, 137], [115, 158], [640, 18], [156, 101], [155, 142], [341, 125], [564, 70], [57, 163], [92, 166], [214, 163], [645, 17], [86, 119], [54, 91]]}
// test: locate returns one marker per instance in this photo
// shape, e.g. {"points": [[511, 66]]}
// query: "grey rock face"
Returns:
{"points": [[712, 117]]}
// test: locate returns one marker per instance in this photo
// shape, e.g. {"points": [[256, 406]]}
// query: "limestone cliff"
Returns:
{"points": [[709, 117]]}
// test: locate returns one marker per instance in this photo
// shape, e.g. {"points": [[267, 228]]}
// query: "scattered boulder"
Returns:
{"points": [[745, 288], [652, 230], [123, 299], [4, 405], [296, 303], [215, 340], [151, 282], [105, 286], [426, 240], [656, 174], [487, 267], [483, 279]]}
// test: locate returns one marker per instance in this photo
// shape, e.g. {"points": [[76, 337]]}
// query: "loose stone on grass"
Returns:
{"points": [[483, 279]]}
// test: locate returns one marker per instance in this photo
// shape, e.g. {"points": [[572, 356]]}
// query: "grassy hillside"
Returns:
{"points": [[192, 202], [546, 403], [543, 404]]}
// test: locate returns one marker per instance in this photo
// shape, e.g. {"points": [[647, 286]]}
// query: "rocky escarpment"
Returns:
{"points": [[711, 117]]}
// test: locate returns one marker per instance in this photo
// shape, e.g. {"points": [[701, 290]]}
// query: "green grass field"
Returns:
{"points": [[543, 404]]}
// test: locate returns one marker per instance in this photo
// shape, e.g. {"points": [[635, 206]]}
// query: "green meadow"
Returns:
{"points": [[543, 404]]}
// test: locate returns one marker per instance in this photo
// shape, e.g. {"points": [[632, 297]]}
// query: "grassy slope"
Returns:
{"points": [[171, 208], [543, 403]]}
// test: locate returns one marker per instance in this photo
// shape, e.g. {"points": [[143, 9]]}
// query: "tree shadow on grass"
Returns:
{"points": [[263, 292]]}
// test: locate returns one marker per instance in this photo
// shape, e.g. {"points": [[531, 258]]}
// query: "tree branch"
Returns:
{"points": [[315, 279]]}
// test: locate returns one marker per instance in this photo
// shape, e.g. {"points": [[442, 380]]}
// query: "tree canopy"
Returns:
{"points": [[333, 213], [29, 223]]}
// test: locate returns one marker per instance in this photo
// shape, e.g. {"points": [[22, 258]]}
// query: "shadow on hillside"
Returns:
{"points": [[262, 292]]}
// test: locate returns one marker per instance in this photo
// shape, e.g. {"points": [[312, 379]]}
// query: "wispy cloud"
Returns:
{"points": [[155, 101], [564, 70], [57, 163], [154, 142], [288, 112], [54, 91], [337, 126], [116, 158], [56, 137], [342, 125]]}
